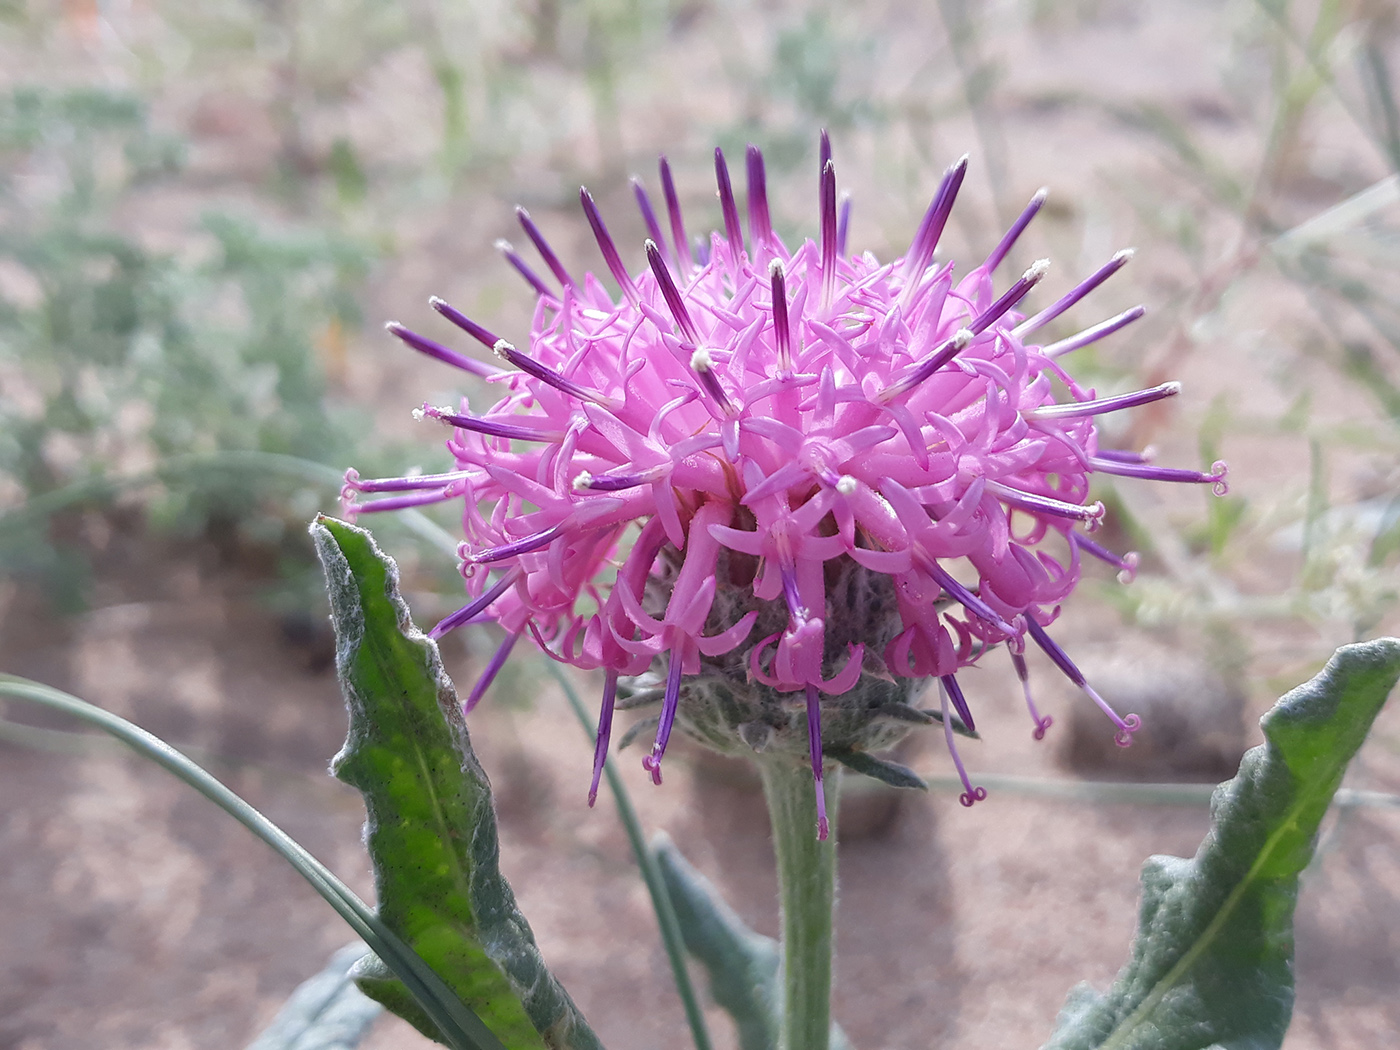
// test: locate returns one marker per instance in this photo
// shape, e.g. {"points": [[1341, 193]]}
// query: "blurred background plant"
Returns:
{"points": [[209, 208]]}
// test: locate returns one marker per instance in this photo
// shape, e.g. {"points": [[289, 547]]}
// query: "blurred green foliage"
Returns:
{"points": [[116, 356]]}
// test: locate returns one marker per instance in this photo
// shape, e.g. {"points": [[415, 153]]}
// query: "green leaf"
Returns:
{"points": [[882, 769], [742, 965], [1212, 965], [431, 828]]}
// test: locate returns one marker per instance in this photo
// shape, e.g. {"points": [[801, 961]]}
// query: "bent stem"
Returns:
{"points": [[807, 893]]}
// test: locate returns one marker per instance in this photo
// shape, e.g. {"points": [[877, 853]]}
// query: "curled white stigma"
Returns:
{"points": [[419, 414], [1038, 269], [583, 481], [503, 349]]}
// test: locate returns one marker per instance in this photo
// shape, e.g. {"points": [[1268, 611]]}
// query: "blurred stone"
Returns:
{"points": [[1192, 716]]}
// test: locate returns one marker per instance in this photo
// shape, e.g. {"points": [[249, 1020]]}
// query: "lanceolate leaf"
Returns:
{"points": [[431, 828], [1212, 966], [884, 770]]}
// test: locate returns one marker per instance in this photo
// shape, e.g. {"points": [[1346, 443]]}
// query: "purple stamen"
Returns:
{"points": [[1076, 293], [652, 762], [482, 335], [606, 246], [1127, 565], [703, 367], [1037, 504], [413, 482], [439, 352], [542, 246], [545, 374], [733, 232], [1216, 478], [970, 794], [1077, 409], [1122, 455], [530, 543], [586, 482], [760, 223], [523, 268], [843, 223], [494, 427], [671, 293], [673, 210], [1017, 228], [1095, 333], [950, 349], [648, 214], [1042, 723], [1011, 297], [814, 744], [955, 693], [600, 747], [498, 660], [474, 608], [418, 499], [782, 332], [931, 229], [1126, 726], [969, 601], [828, 231]]}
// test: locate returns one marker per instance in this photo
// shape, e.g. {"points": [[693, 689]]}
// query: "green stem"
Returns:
{"points": [[807, 892]]}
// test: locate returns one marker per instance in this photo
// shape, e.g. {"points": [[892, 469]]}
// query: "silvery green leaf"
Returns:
{"points": [[1212, 965], [325, 1012]]}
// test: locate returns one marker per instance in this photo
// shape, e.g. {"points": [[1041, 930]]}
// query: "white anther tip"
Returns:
{"points": [[502, 349], [1038, 269], [1124, 255], [502, 245], [846, 485], [962, 337], [583, 481], [775, 268], [700, 360]]}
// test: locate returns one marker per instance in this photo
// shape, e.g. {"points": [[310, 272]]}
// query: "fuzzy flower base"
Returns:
{"points": [[789, 487]]}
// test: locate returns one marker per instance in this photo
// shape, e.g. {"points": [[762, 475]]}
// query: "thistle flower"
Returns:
{"points": [[783, 488]]}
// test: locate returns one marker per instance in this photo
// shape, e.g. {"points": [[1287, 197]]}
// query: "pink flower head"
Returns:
{"points": [[703, 474]]}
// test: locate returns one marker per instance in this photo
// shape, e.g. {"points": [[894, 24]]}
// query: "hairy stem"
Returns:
{"points": [[807, 892]]}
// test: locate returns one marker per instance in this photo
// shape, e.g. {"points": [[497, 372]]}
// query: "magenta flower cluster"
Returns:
{"points": [[806, 408]]}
